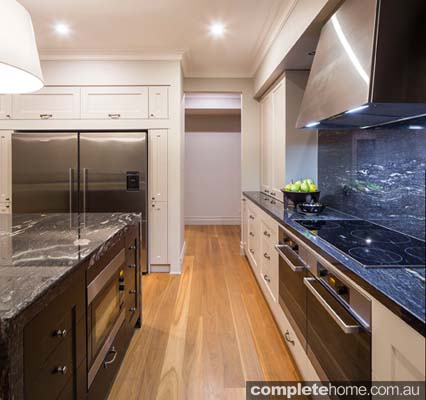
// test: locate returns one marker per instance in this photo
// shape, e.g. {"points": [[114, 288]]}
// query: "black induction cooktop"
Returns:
{"points": [[370, 244]]}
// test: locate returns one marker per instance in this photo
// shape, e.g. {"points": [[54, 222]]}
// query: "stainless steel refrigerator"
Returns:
{"points": [[77, 172]]}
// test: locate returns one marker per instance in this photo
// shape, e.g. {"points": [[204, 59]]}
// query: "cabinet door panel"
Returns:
{"points": [[266, 141], [5, 106], [158, 233], [278, 141], [5, 167], [114, 102], [158, 102], [48, 103], [157, 155]]}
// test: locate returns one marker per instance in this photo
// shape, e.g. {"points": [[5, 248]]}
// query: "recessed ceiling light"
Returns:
{"points": [[62, 29], [217, 29]]}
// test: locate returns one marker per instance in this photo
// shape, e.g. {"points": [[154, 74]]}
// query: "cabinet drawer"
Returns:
{"points": [[54, 374], [53, 326], [269, 269], [48, 103]]}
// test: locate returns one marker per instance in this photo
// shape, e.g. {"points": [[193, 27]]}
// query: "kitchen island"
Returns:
{"points": [[69, 290]]}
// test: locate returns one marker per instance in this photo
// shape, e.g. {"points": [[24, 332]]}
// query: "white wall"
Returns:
{"points": [[250, 122], [212, 178]]}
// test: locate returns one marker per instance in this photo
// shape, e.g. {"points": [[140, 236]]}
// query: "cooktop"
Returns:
{"points": [[370, 244]]}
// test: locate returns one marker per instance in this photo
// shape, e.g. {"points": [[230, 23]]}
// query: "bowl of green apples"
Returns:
{"points": [[303, 191]]}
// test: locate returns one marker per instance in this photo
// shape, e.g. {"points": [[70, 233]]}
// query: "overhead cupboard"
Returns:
{"points": [[88, 102], [286, 152]]}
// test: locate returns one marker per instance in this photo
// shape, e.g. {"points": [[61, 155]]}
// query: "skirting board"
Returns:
{"points": [[212, 220], [160, 268]]}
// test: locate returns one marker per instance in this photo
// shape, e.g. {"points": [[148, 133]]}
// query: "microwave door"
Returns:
{"points": [[44, 172]]}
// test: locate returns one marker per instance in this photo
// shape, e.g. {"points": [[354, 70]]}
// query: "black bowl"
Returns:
{"points": [[310, 208], [300, 197]]}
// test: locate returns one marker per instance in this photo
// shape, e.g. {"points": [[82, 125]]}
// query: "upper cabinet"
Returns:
{"points": [[5, 106], [126, 102], [48, 103], [158, 102], [287, 153]]}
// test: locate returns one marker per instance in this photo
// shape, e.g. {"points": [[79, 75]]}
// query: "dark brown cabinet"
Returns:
{"points": [[55, 346]]}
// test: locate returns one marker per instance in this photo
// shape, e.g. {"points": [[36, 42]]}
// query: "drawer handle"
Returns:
{"points": [[267, 278], [61, 333], [267, 234], [287, 337], [251, 217], [133, 309], [267, 256], [251, 251], [132, 266], [114, 116], [61, 370], [46, 116], [132, 247], [251, 234], [266, 191], [133, 291], [114, 353]]}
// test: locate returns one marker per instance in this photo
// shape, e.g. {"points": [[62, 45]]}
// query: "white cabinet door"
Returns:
{"points": [[158, 233], [5, 167], [5, 208], [398, 351], [244, 224], [158, 102], [125, 102], [5, 106], [266, 142], [278, 141], [157, 165], [48, 103]]}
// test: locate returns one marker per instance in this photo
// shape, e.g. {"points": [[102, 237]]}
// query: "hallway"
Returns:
{"points": [[205, 332]]}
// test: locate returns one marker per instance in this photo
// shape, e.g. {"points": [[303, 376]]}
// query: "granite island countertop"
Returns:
{"points": [[36, 251], [402, 290]]}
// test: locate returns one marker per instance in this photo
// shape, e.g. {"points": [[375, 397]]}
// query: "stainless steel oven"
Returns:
{"points": [[338, 330], [292, 291], [105, 313]]}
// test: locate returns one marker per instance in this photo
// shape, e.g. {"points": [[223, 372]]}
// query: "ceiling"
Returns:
{"points": [[163, 29]]}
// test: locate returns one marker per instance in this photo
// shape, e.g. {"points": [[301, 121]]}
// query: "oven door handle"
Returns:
{"points": [[348, 329], [295, 268]]}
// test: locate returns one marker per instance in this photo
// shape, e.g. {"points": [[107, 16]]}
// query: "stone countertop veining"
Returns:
{"points": [[402, 290], [38, 250]]}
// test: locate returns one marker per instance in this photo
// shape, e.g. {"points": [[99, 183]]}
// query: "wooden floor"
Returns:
{"points": [[204, 332]]}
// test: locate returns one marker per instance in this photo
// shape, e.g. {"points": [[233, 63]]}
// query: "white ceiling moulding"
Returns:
{"points": [[20, 70], [47, 55]]}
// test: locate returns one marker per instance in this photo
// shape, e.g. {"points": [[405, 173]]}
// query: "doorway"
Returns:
{"points": [[212, 158]]}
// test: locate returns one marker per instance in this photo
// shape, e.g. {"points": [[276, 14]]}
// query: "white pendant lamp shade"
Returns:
{"points": [[20, 70]]}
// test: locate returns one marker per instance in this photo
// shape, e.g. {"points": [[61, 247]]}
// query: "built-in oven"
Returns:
{"points": [[105, 313], [338, 333], [292, 291]]}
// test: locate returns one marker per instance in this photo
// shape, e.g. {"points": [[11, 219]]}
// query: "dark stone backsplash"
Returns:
{"points": [[378, 175]]}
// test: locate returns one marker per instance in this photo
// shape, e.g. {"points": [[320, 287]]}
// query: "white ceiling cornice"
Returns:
{"points": [[276, 27]]}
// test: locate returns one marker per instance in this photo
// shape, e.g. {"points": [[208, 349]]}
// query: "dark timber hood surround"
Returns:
{"points": [[369, 67]]}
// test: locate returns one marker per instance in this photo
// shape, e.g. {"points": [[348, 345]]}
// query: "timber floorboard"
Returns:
{"points": [[205, 332]]}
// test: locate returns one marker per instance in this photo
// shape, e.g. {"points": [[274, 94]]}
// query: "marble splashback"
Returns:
{"points": [[378, 175]]}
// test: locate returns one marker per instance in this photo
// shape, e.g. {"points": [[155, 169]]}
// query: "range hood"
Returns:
{"points": [[369, 67]]}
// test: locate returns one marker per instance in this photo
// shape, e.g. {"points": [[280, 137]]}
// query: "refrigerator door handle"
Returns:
{"points": [[85, 171], [71, 187]]}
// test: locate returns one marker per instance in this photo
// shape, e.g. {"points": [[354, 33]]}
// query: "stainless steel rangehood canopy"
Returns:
{"points": [[369, 68]]}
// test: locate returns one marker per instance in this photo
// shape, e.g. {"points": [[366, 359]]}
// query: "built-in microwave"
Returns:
{"points": [[105, 313]]}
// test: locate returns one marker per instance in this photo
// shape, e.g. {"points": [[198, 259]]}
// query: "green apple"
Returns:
{"points": [[297, 185], [309, 181], [304, 187], [313, 187], [287, 188], [294, 188]]}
